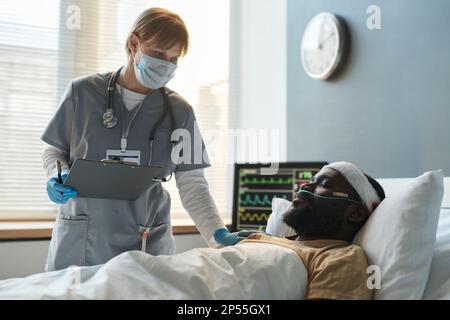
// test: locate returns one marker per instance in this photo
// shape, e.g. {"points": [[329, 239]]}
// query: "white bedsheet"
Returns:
{"points": [[245, 271]]}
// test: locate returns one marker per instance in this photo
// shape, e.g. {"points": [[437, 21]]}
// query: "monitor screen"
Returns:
{"points": [[253, 191]]}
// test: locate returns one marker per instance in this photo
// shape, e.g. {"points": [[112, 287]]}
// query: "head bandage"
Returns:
{"points": [[358, 181]]}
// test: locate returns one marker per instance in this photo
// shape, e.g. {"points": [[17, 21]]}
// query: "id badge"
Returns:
{"points": [[133, 156]]}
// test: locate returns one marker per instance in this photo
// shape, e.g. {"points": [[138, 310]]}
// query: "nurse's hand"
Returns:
{"points": [[59, 193], [227, 238]]}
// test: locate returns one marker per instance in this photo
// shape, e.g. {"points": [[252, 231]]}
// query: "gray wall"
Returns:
{"points": [[388, 111]]}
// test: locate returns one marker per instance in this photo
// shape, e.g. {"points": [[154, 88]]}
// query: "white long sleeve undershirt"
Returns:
{"points": [[49, 157], [192, 187], [198, 202]]}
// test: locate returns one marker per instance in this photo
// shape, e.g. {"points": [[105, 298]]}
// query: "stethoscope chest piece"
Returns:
{"points": [[109, 119]]}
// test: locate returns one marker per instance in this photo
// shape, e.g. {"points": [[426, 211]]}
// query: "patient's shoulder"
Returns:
{"points": [[351, 249], [348, 259], [351, 253]]}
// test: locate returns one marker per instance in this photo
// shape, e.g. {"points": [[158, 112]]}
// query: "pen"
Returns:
{"points": [[58, 166]]}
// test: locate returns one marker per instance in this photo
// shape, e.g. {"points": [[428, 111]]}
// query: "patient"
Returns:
{"points": [[326, 214]]}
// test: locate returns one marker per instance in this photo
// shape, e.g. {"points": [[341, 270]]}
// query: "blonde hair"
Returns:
{"points": [[162, 27]]}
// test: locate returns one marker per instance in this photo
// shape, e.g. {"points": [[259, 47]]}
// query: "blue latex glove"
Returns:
{"points": [[227, 238], [59, 193]]}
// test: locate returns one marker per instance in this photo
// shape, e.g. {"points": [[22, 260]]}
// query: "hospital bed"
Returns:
{"points": [[245, 271]]}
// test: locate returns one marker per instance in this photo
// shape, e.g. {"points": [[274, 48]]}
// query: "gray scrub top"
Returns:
{"points": [[92, 231]]}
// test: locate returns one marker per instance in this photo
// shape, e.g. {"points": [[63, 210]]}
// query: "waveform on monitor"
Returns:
{"points": [[263, 181], [258, 200], [251, 216]]}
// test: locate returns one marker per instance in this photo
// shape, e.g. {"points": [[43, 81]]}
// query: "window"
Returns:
{"points": [[39, 56]]}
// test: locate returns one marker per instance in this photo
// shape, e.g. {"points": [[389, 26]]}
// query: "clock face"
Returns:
{"points": [[322, 46]]}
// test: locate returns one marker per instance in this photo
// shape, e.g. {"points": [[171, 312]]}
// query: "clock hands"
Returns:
{"points": [[323, 41]]}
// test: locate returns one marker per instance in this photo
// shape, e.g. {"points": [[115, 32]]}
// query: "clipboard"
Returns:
{"points": [[110, 179]]}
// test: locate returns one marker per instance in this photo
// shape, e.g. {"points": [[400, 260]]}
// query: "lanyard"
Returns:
{"points": [[167, 109], [125, 133]]}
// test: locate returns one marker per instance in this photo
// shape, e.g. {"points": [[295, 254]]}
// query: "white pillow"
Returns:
{"points": [[400, 234], [275, 225]]}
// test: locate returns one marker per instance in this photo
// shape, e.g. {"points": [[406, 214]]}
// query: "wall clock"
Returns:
{"points": [[322, 46]]}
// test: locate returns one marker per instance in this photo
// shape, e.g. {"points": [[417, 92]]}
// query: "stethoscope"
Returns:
{"points": [[110, 119]]}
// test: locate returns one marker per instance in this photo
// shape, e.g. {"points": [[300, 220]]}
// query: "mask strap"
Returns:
{"points": [[138, 47]]}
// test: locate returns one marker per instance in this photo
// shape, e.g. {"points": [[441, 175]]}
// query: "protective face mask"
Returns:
{"points": [[153, 73], [337, 196]]}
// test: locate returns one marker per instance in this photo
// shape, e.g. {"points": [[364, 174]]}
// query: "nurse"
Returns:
{"points": [[129, 112]]}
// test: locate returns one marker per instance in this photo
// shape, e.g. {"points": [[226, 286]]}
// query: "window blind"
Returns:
{"points": [[44, 44]]}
